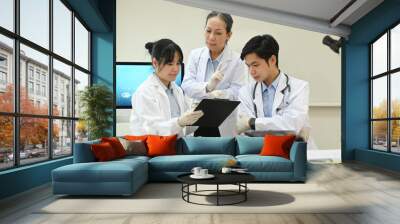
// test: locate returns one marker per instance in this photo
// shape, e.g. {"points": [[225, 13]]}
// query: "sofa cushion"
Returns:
{"points": [[112, 171], [275, 145], [134, 147], [161, 145], [206, 145], [185, 163], [103, 151], [257, 163], [249, 145], [116, 145]]}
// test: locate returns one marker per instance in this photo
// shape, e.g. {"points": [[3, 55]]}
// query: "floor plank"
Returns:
{"points": [[377, 190]]}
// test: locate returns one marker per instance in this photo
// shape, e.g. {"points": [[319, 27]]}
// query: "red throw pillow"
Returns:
{"points": [[277, 145], [136, 138], [116, 145], [161, 145], [103, 151]]}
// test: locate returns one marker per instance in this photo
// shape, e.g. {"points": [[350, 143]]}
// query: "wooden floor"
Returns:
{"points": [[377, 188]]}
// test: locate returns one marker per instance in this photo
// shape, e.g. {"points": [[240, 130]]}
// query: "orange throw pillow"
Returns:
{"points": [[103, 151], [275, 145], [161, 145], [116, 145], [136, 138]]}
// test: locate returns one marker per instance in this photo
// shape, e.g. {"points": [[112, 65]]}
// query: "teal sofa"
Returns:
{"points": [[125, 176]]}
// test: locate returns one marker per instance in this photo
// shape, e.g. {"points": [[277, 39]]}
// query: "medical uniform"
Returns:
{"points": [[283, 111], [198, 71], [156, 109]]}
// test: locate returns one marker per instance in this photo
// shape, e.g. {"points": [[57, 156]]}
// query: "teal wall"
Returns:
{"points": [[99, 15], [355, 86], [102, 61], [24, 178]]}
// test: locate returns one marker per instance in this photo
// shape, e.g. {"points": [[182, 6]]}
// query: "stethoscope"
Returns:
{"points": [[283, 91]]}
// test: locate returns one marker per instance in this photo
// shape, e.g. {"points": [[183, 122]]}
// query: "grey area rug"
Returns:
{"points": [[166, 198]]}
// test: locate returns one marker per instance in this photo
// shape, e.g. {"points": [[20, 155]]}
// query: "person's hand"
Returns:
{"points": [[194, 105], [190, 118], [214, 80], [242, 124], [219, 94]]}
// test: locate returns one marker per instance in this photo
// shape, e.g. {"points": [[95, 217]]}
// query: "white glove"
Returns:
{"points": [[214, 80], [194, 105], [190, 118], [219, 94], [242, 124]]}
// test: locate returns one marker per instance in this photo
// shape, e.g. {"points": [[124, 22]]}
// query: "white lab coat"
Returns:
{"points": [[194, 83], [151, 112], [293, 112]]}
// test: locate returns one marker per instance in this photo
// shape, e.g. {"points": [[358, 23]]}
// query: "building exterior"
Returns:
{"points": [[34, 79]]}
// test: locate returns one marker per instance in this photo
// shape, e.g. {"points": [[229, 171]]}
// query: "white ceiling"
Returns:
{"points": [[314, 15]]}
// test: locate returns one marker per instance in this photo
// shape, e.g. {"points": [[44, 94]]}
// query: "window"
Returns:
{"points": [[44, 77], [6, 73], [37, 75], [30, 72], [38, 89], [30, 87], [3, 78], [62, 31], [7, 14], [41, 82], [3, 61], [44, 91], [385, 91], [35, 22], [62, 74], [81, 45]]}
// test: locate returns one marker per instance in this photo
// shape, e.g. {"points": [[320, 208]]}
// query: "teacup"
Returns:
{"points": [[196, 170], [226, 170], [203, 172]]}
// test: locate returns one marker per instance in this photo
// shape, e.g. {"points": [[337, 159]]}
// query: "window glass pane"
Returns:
{"points": [[33, 139], [62, 29], [81, 81], [81, 131], [379, 55], [395, 47], [379, 97], [6, 142], [7, 14], [34, 79], [395, 138], [35, 21], [6, 74], [62, 138], [81, 45], [379, 135], [62, 89], [395, 94]]}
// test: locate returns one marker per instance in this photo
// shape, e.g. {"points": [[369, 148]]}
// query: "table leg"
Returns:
{"points": [[245, 193], [217, 194]]}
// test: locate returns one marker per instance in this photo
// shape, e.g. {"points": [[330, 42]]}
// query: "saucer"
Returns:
{"points": [[208, 176]]}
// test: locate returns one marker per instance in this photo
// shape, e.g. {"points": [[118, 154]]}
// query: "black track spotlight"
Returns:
{"points": [[335, 45]]}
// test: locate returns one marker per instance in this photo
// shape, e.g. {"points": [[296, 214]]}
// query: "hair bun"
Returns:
{"points": [[149, 46]]}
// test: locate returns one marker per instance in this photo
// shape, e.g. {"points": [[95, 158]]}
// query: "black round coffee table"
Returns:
{"points": [[238, 179]]}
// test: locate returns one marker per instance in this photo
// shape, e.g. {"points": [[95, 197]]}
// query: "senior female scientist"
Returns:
{"points": [[215, 71], [158, 105]]}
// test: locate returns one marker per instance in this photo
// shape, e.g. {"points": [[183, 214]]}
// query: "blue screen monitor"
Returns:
{"points": [[129, 76]]}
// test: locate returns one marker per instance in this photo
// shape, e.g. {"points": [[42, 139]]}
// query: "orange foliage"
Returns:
{"points": [[33, 130]]}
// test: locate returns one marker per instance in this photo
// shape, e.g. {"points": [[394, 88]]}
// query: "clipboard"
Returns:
{"points": [[215, 111]]}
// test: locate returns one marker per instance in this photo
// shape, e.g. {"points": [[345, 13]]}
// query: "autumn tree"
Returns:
{"points": [[380, 127], [33, 131]]}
